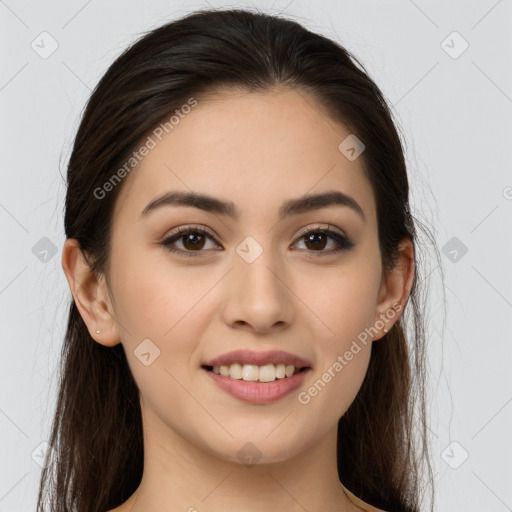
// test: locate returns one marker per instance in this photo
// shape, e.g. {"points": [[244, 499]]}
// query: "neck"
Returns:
{"points": [[181, 476]]}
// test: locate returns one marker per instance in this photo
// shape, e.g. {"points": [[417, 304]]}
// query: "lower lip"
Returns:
{"points": [[258, 392]]}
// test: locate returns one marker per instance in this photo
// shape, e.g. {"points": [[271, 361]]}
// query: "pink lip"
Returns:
{"points": [[258, 358], [258, 392]]}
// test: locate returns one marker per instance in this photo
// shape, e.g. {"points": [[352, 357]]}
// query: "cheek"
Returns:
{"points": [[344, 302], [171, 307], [156, 300], [343, 359], [341, 302], [168, 307]]}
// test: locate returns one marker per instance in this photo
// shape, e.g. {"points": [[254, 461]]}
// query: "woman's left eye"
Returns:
{"points": [[317, 238], [193, 241]]}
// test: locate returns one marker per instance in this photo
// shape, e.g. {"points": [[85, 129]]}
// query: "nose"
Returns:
{"points": [[257, 296]]}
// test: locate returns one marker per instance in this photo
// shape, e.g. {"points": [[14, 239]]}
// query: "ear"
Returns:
{"points": [[395, 289], [90, 293]]}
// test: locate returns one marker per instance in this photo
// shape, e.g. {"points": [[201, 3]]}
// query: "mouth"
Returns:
{"points": [[257, 384], [255, 373], [262, 366]]}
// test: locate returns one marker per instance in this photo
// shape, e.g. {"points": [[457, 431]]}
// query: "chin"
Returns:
{"points": [[257, 449]]}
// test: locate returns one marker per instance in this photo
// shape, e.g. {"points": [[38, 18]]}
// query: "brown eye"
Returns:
{"points": [[193, 240], [316, 240]]}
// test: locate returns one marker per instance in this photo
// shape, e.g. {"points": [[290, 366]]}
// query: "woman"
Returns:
{"points": [[241, 253]]}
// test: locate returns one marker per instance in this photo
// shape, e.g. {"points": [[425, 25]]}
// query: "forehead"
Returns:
{"points": [[254, 149]]}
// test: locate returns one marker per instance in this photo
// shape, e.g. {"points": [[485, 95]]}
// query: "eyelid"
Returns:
{"points": [[322, 227], [191, 227], [302, 232]]}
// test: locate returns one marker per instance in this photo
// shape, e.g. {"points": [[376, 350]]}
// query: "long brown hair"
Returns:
{"points": [[98, 413]]}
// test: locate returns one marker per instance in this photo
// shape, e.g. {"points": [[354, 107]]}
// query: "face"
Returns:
{"points": [[257, 281]]}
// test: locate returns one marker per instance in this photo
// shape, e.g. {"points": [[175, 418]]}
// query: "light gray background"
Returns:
{"points": [[455, 113]]}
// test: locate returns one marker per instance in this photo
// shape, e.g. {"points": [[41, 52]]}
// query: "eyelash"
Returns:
{"points": [[343, 242]]}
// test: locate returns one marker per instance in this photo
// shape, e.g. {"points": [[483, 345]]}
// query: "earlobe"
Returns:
{"points": [[395, 289], [90, 293]]}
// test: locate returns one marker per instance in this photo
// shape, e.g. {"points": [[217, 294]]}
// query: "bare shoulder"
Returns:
{"points": [[359, 503], [121, 508], [124, 507]]}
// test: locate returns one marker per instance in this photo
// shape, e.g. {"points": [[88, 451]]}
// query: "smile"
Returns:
{"points": [[252, 372]]}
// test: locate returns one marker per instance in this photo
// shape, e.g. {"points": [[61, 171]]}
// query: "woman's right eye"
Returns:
{"points": [[191, 237]]}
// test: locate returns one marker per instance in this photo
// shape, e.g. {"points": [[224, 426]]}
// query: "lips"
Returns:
{"points": [[247, 356], [258, 392]]}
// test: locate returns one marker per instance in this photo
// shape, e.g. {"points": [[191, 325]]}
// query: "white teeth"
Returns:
{"points": [[281, 371], [267, 373], [252, 372], [235, 371]]}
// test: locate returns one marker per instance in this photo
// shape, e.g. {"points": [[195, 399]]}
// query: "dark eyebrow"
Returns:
{"points": [[228, 208]]}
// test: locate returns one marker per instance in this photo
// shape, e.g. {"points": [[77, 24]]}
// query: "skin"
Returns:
{"points": [[279, 145]]}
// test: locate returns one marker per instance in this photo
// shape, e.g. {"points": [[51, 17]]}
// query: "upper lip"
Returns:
{"points": [[258, 358]]}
